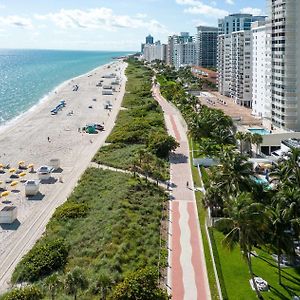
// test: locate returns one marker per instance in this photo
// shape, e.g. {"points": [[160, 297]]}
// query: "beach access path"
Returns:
{"points": [[187, 273], [27, 139]]}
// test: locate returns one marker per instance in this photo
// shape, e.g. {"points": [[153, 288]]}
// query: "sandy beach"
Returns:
{"points": [[36, 137]]}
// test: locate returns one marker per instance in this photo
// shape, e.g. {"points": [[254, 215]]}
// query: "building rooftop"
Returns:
{"points": [[292, 143]]}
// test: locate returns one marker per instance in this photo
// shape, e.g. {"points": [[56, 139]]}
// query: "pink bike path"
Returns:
{"points": [[187, 274]]}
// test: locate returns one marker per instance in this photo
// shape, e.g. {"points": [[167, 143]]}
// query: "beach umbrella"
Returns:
{"points": [[22, 174], [12, 170], [21, 162], [4, 194], [1, 165], [14, 183]]}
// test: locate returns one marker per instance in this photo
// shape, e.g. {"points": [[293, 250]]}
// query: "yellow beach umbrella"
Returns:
{"points": [[21, 162], [22, 174], [12, 170], [4, 194], [14, 183], [30, 165], [1, 166]]}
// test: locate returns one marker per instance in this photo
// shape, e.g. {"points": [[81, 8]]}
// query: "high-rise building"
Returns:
{"points": [[181, 50], [207, 40], [261, 68], [155, 51], [284, 26], [237, 22], [241, 71], [224, 64], [184, 54], [172, 40], [149, 39], [234, 59]]}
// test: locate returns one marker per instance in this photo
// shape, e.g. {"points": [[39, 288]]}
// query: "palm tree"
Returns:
{"points": [[75, 280], [53, 283], [287, 172], [246, 223], [234, 173], [280, 228], [248, 138], [240, 136], [257, 139]]}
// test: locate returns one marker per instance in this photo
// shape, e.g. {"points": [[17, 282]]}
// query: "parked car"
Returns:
{"points": [[262, 284]]}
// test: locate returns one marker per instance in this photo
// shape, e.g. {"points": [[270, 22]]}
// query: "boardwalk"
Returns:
{"points": [[187, 275]]}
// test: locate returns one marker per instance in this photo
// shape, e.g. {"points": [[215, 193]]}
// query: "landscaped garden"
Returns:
{"points": [[249, 219]]}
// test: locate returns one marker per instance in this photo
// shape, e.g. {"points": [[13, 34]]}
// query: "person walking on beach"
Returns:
{"points": [[48, 139], [187, 184]]}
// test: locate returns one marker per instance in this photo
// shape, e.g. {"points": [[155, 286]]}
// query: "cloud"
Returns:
{"points": [[16, 21], [196, 7], [231, 2], [251, 10], [99, 18]]}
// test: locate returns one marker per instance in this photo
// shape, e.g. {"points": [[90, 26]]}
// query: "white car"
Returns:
{"points": [[262, 284]]}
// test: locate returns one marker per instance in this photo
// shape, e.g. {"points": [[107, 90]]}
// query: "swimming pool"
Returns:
{"points": [[260, 131]]}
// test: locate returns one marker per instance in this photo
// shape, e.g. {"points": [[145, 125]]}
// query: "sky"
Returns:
{"points": [[110, 24]]}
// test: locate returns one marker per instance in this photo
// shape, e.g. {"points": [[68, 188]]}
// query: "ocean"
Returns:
{"points": [[27, 76]]}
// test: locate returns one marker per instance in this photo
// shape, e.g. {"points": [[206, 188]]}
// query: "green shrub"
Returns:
{"points": [[71, 210], [140, 285], [161, 144], [27, 293], [42, 260]]}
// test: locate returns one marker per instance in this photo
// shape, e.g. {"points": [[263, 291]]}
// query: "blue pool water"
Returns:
{"points": [[26, 76], [260, 131]]}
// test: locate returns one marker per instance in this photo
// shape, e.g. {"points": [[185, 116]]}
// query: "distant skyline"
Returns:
{"points": [[108, 25]]}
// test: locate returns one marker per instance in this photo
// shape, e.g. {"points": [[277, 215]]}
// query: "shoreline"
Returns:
{"points": [[14, 121], [27, 140]]}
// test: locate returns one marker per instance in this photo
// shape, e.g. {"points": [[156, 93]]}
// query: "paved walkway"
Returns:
{"points": [[187, 275]]}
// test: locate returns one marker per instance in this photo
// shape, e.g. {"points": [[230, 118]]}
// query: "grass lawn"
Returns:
{"points": [[202, 220], [236, 275], [119, 232]]}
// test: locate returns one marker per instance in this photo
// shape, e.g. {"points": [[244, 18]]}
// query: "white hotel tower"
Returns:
{"points": [[261, 70], [285, 81]]}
